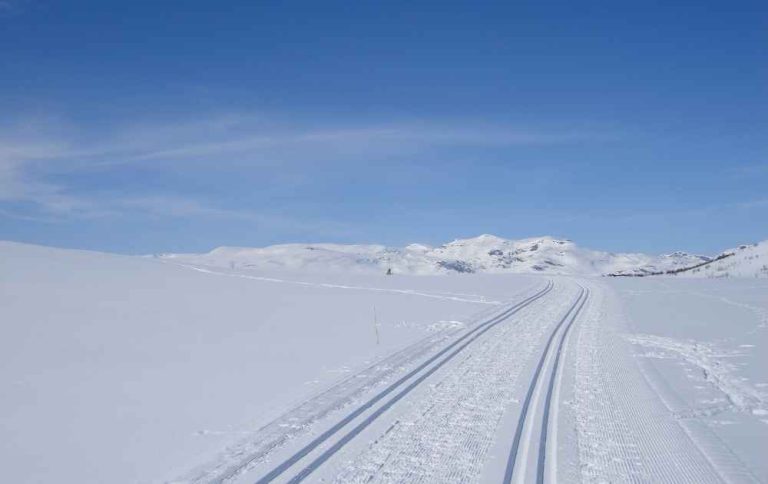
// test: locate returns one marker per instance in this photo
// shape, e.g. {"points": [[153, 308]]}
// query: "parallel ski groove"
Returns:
{"points": [[572, 313], [277, 433], [470, 336], [550, 391], [449, 429]]}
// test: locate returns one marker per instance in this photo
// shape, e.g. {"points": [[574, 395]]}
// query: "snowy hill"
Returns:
{"points": [[745, 261], [483, 254]]}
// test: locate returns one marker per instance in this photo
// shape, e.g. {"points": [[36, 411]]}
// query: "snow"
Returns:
{"points": [[127, 369], [483, 254], [746, 261], [705, 345], [190, 368]]}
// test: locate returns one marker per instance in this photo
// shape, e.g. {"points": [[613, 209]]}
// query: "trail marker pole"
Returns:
{"points": [[376, 325]]}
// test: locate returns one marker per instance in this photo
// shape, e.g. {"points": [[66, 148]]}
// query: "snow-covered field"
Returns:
{"points": [[703, 344], [176, 369]]}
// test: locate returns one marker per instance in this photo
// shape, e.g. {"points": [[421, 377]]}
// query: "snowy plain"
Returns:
{"points": [[129, 369], [126, 369]]}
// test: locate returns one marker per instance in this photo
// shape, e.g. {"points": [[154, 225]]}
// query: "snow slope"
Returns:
{"points": [[483, 254], [127, 369], [746, 261]]}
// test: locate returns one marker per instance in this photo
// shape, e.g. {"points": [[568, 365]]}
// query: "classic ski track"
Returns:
{"points": [[622, 428], [523, 444], [247, 459], [333, 449], [552, 406], [249, 452], [446, 432], [300, 419]]}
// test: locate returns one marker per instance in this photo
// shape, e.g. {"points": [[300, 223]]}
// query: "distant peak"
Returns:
{"points": [[418, 248], [545, 239], [483, 239], [678, 253]]}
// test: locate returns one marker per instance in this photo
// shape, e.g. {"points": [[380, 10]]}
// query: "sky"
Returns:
{"points": [[144, 127]]}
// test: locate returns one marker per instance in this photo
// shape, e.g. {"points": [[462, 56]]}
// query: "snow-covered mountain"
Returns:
{"points": [[486, 253], [743, 261]]}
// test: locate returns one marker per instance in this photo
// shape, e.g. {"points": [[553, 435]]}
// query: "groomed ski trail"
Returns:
{"points": [[404, 386], [446, 434], [527, 460], [544, 390], [388, 373], [624, 430]]}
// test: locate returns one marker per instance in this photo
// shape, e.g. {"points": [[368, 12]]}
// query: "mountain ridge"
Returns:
{"points": [[482, 254]]}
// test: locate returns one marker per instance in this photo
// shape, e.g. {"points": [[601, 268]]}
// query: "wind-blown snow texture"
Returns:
{"points": [[486, 254]]}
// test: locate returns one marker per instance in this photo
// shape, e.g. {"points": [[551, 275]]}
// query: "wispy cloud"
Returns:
{"points": [[162, 206], [243, 139], [761, 203], [19, 181], [747, 170], [10, 7], [37, 157], [168, 206]]}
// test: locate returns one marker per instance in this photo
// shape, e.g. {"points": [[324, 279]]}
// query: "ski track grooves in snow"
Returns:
{"points": [[526, 420], [238, 457], [459, 344]]}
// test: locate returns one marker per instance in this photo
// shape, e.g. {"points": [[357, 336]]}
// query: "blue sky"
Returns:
{"points": [[142, 127]]}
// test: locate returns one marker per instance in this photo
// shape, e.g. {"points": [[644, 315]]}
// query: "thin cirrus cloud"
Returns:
{"points": [[20, 180], [162, 206], [254, 140], [34, 163], [749, 170], [759, 203]]}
